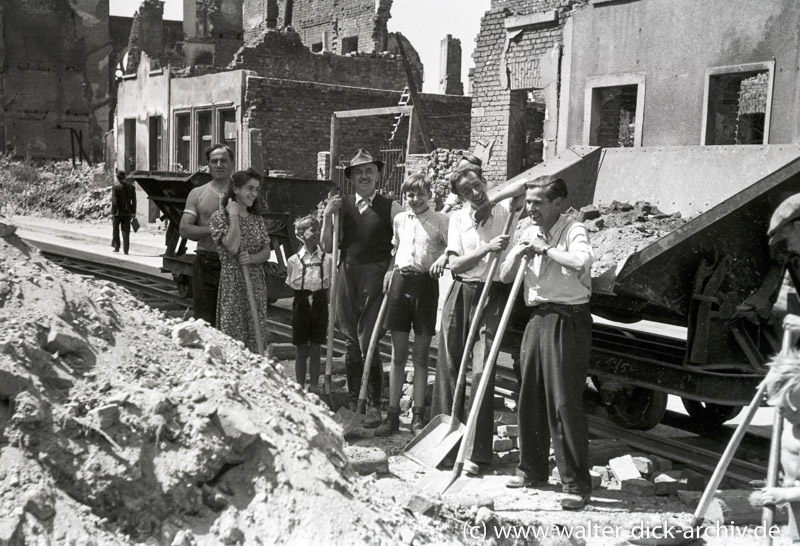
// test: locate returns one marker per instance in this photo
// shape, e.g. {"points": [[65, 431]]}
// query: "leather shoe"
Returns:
{"points": [[373, 418], [471, 469], [574, 502], [517, 482]]}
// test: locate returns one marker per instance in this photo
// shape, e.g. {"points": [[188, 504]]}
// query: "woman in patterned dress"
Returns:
{"points": [[242, 239]]}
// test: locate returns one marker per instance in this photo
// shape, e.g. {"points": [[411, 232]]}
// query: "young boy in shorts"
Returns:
{"points": [[308, 273], [420, 239]]}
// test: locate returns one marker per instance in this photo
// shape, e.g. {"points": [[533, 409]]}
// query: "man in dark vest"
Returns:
{"points": [[366, 250]]}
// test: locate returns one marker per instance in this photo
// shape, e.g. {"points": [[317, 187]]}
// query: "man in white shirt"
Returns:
{"points": [[366, 250], [556, 344]]}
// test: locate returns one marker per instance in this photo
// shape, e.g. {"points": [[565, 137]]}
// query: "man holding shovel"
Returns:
{"points": [[556, 344], [470, 248], [366, 250]]}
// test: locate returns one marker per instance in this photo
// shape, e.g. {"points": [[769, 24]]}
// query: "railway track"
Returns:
{"points": [[159, 292]]}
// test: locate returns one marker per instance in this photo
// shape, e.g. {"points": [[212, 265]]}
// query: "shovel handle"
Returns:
{"points": [[789, 338], [768, 512], [458, 398], [251, 297], [332, 303], [488, 368], [373, 342]]}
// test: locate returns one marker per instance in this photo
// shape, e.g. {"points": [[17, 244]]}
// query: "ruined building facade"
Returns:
{"points": [[55, 77]]}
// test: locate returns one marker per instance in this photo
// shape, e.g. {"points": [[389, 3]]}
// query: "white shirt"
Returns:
{"points": [[464, 237], [313, 282], [419, 239], [547, 281]]}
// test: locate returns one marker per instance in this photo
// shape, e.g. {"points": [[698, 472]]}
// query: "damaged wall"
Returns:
{"points": [[213, 30], [273, 105], [674, 43], [508, 79], [55, 75], [282, 55]]}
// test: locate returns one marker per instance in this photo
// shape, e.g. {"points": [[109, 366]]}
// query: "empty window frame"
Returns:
{"points": [[204, 134], [183, 141], [129, 128], [155, 135], [349, 44], [226, 126], [614, 111], [737, 103], [316, 48]]}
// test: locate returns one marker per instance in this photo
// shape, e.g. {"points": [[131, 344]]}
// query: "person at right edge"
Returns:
{"points": [[556, 343]]}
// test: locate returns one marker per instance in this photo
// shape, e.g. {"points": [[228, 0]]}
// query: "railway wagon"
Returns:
{"points": [[283, 200], [701, 278]]}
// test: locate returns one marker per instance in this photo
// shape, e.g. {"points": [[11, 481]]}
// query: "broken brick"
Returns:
{"points": [[624, 468], [639, 487]]}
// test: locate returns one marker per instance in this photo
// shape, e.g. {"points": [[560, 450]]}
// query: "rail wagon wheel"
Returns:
{"points": [[637, 408], [711, 416], [184, 285]]}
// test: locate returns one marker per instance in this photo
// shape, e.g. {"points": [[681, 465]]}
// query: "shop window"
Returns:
{"points": [[227, 129], [183, 141], [204, 135], [129, 128], [155, 135], [737, 104]]}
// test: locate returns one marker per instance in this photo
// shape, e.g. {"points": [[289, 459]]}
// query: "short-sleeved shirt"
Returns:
{"points": [[547, 281], [464, 237], [202, 203], [419, 239], [311, 280]]}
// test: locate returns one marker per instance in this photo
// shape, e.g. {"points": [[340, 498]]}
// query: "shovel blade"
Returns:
{"points": [[435, 441], [437, 482], [348, 419]]}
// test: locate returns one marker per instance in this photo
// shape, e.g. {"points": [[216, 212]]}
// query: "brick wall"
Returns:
{"points": [[282, 55], [491, 90], [48, 64], [295, 119]]}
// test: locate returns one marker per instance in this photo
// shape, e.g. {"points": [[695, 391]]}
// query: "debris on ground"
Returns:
{"points": [[118, 426], [54, 188]]}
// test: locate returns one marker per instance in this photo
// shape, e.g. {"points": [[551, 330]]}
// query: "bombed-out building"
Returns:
{"points": [[552, 74], [272, 102]]}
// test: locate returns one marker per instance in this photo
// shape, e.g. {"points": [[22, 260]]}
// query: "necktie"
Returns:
{"points": [[363, 205]]}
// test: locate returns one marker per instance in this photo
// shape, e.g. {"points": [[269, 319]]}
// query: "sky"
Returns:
{"points": [[423, 22]]}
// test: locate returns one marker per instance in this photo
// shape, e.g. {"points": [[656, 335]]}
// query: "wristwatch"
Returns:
{"points": [[546, 249]]}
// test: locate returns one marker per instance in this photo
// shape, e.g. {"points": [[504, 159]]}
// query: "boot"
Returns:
{"points": [[418, 420], [373, 417], [391, 424]]}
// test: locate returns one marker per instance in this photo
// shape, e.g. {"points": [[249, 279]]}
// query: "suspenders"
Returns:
{"points": [[321, 265]]}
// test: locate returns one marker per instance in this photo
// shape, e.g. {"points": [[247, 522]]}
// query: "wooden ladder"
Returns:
{"points": [[405, 97]]}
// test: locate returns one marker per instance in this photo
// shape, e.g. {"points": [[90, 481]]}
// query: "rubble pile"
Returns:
{"points": [[118, 426], [441, 162], [54, 189], [620, 229]]}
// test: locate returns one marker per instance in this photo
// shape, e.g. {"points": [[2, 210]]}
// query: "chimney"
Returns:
{"points": [[450, 66]]}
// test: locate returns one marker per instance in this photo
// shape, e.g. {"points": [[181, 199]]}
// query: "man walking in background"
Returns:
{"points": [[123, 209]]}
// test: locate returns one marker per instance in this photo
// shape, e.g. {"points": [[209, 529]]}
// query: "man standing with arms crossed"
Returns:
{"points": [[366, 250], [200, 205], [556, 344]]}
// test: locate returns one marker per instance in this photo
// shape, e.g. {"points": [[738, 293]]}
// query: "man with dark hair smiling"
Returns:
{"points": [[200, 205], [556, 344]]}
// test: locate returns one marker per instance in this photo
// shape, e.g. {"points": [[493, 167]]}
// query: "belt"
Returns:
{"points": [[561, 307], [201, 252], [475, 283], [412, 273], [307, 293]]}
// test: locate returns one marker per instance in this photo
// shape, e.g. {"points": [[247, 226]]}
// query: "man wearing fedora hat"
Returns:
{"points": [[366, 250], [123, 209]]}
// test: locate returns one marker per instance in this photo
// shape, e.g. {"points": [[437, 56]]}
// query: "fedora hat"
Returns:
{"points": [[362, 157]]}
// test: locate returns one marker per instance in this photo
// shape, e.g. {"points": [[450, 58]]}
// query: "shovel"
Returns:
{"points": [[348, 419], [441, 481], [327, 393], [443, 432], [248, 284], [789, 339]]}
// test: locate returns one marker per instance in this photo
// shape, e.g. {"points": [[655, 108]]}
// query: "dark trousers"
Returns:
{"points": [[457, 314], [358, 304], [121, 223], [205, 286], [554, 361]]}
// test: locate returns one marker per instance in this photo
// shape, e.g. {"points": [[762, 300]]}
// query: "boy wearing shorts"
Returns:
{"points": [[419, 239], [308, 273]]}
